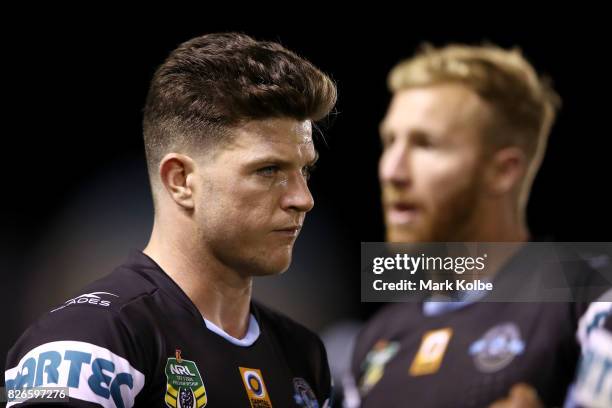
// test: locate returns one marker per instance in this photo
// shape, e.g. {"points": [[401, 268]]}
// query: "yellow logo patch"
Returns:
{"points": [[255, 387], [431, 352]]}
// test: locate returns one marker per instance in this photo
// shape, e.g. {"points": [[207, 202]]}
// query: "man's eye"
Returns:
{"points": [[423, 141], [387, 140], [268, 171]]}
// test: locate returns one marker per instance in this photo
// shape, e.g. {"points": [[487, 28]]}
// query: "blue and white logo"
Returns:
{"points": [[304, 396], [497, 348], [90, 372]]}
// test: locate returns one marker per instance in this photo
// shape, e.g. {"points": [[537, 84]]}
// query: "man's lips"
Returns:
{"points": [[291, 231], [402, 213]]}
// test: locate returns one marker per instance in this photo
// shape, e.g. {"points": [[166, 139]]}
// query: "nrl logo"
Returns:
{"points": [[184, 387], [90, 298], [374, 365]]}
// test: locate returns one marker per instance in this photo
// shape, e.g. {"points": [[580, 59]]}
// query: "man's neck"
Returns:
{"points": [[221, 294], [496, 226], [498, 222], [508, 231]]}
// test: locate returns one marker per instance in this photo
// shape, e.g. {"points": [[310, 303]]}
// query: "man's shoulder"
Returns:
{"points": [[109, 325], [391, 312], [283, 325], [113, 291], [88, 333], [388, 319], [290, 336], [94, 316], [97, 305]]}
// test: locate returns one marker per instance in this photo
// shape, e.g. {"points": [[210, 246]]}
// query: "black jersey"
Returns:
{"points": [[472, 354], [134, 338]]}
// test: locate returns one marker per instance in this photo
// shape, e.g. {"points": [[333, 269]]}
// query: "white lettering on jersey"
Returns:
{"points": [[593, 387], [91, 298], [91, 372]]}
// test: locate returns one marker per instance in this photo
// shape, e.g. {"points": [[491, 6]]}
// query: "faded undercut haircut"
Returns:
{"points": [[215, 82]]}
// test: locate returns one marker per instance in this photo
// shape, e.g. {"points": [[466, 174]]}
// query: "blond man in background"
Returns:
{"points": [[463, 139]]}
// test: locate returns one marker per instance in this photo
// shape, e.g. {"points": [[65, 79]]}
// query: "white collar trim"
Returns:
{"points": [[251, 336]]}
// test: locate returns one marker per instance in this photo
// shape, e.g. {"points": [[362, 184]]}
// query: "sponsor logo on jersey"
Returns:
{"points": [[431, 352], [92, 298], [593, 387], [594, 317], [255, 387], [374, 364], [91, 373], [497, 348], [304, 396], [184, 386]]}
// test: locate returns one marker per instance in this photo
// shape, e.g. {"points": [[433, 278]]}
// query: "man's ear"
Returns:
{"points": [[175, 170], [506, 170]]}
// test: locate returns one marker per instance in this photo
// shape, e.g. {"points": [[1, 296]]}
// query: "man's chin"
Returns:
{"points": [[274, 266], [405, 235]]}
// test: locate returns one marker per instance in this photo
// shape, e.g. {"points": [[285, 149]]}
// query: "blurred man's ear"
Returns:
{"points": [[506, 170], [175, 171]]}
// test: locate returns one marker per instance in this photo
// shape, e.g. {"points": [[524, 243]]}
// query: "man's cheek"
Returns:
{"points": [[452, 181]]}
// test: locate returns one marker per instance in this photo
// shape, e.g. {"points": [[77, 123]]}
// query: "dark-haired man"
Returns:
{"points": [[228, 139]]}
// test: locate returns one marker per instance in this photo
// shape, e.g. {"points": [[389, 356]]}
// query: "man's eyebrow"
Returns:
{"points": [[271, 158]]}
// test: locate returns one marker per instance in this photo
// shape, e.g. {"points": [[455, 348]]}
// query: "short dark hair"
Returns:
{"points": [[216, 81]]}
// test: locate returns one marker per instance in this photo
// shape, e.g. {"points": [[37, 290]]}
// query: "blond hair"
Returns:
{"points": [[525, 103]]}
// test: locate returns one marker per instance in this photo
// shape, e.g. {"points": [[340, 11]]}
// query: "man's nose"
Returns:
{"points": [[394, 165], [298, 196]]}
